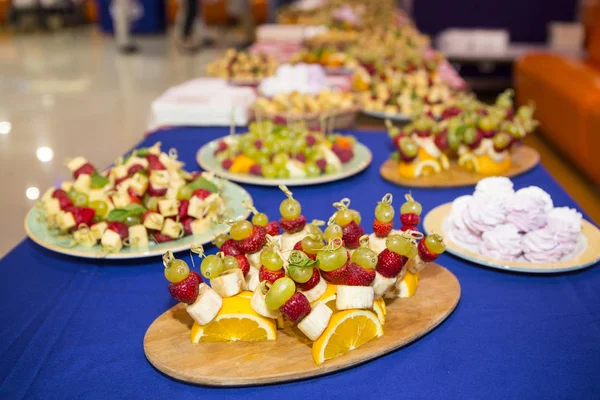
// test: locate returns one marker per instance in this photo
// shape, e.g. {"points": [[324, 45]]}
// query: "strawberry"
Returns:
{"points": [[221, 146], [186, 291], [389, 264], [160, 238], [298, 246], [85, 169], [293, 225], [187, 225], [424, 253], [256, 169], [183, 208], [359, 276], [134, 199], [351, 235], [201, 193], [410, 219], [134, 169], [382, 229], [152, 191], [59, 193], [265, 274], [227, 163], [312, 282], [310, 140], [243, 263], [405, 228], [272, 228], [230, 248], [120, 228], [296, 308], [83, 215], [254, 242], [64, 203], [338, 276], [154, 163], [322, 164]]}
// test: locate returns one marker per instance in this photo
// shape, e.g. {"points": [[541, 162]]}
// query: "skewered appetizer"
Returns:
{"points": [[327, 57], [480, 137], [303, 106], [145, 197], [280, 151], [241, 66], [330, 284]]}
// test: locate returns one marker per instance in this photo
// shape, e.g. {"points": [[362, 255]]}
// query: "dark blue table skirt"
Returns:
{"points": [[73, 328]]}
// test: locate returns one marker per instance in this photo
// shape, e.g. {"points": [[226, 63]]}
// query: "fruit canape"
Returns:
{"points": [[479, 137], [284, 151], [242, 66], [147, 196], [330, 284], [305, 106], [330, 58]]}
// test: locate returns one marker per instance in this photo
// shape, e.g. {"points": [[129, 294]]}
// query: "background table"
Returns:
{"points": [[72, 328]]}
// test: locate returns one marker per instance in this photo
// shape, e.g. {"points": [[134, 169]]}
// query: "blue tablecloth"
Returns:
{"points": [[71, 328]]}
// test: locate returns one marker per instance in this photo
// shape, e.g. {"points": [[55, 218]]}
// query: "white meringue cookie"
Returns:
{"points": [[541, 246], [495, 186], [565, 220], [528, 208], [484, 213], [503, 242]]}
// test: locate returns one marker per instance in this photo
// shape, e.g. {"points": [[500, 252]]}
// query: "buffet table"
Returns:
{"points": [[74, 328]]}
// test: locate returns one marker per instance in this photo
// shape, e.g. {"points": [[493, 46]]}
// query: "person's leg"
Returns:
{"points": [[190, 19], [120, 15]]}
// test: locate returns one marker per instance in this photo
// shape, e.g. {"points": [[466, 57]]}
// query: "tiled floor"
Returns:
{"points": [[71, 92]]}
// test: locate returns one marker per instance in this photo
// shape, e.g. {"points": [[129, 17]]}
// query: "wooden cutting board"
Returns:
{"points": [[168, 347], [523, 158]]}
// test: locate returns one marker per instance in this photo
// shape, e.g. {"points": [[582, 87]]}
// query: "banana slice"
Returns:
{"points": [[258, 304], [381, 284], [354, 297], [229, 283], [252, 280], [316, 292], [206, 306], [316, 322], [254, 259]]}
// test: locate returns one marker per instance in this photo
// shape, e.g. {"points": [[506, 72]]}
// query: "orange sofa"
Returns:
{"points": [[566, 93]]}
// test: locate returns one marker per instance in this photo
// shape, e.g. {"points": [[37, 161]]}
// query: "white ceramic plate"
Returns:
{"points": [[391, 117]]}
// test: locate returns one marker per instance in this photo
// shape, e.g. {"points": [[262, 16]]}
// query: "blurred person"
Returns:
{"points": [[189, 31], [121, 16]]}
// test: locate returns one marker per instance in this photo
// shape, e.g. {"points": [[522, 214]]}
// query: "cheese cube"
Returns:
{"points": [[84, 237], [98, 229], [111, 241], [154, 221], [139, 184], [174, 189], [52, 206], [200, 226], [155, 149], [118, 172], [66, 220], [124, 185], [96, 194], [66, 186], [196, 208], [172, 229], [166, 160], [76, 163], [207, 305], [120, 200], [159, 178], [133, 160], [83, 183], [138, 236], [168, 208], [48, 194]]}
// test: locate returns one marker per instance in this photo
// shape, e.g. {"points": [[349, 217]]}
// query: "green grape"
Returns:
{"points": [[487, 123], [311, 245], [101, 207], [300, 275], [219, 240], [290, 209], [312, 169], [412, 253], [408, 147], [241, 230], [152, 203], [262, 159], [502, 141], [283, 173], [399, 244], [271, 260], [280, 160], [311, 154], [72, 193], [80, 200], [435, 244], [333, 231], [269, 143], [281, 291], [384, 212], [177, 271], [344, 217], [454, 140], [411, 207], [131, 220], [230, 262], [299, 146], [364, 257], [251, 151], [269, 171], [286, 145], [185, 193], [330, 260], [314, 230], [356, 216], [260, 219], [330, 169], [470, 136], [211, 266], [525, 112]]}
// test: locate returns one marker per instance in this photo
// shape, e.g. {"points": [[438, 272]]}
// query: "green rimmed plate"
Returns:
{"points": [[38, 231], [206, 159]]}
